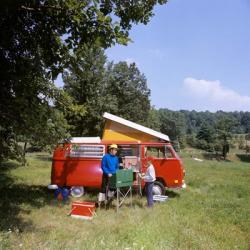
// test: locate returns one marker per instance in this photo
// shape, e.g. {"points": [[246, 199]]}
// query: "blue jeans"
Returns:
{"points": [[149, 193]]}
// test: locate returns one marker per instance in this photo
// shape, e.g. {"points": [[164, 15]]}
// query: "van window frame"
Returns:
{"points": [[164, 153], [84, 154]]}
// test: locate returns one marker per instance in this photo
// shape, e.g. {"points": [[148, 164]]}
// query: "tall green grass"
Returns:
{"points": [[212, 213]]}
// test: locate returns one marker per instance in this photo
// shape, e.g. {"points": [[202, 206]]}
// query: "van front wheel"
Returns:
{"points": [[158, 188], [77, 191]]}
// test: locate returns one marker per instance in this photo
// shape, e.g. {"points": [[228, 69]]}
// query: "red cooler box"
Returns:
{"points": [[83, 210]]}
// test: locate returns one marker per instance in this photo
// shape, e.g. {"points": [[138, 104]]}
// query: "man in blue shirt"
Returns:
{"points": [[110, 164]]}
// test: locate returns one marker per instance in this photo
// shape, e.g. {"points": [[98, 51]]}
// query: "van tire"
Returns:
{"points": [[77, 191], [158, 188]]}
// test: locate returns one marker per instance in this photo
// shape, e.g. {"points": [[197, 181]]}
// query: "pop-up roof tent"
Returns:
{"points": [[119, 129]]}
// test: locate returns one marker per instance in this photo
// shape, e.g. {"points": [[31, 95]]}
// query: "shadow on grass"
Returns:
{"points": [[44, 157], [93, 194], [18, 198], [138, 202], [211, 156], [244, 157], [136, 198], [5, 167], [214, 156], [172, 194]]}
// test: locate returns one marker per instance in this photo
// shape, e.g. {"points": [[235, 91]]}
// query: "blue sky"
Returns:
{"points": [[195, 54]]}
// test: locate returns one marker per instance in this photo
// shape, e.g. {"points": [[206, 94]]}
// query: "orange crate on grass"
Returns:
{"points": [[83, 210]]}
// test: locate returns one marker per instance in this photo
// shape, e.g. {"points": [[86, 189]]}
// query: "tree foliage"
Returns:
{"points": [[86, 83], [173, 124], [153, 120], [129, 90], [45, 31], [206, 137]]}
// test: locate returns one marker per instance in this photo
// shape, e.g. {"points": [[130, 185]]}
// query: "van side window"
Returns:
{"points": [[157, 152], [168, 153], [129, 156], [128, 150], [88, 151]]}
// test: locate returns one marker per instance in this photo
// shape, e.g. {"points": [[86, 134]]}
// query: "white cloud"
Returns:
{"points": [[215, 96]]}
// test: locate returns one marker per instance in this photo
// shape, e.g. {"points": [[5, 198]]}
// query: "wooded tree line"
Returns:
{"points": [[213, 132]]}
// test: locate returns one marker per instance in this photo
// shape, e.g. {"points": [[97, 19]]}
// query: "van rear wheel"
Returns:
{"points": [[77, 191], [158, 188]]}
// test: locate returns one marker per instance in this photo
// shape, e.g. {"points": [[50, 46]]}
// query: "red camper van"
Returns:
{"points": [[78, 161]]}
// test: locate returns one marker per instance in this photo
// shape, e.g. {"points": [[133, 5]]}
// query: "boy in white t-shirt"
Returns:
{"points": [[149, 179]]}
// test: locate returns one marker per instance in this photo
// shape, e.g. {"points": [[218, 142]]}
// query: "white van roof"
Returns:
{"points": [[85, 139]]}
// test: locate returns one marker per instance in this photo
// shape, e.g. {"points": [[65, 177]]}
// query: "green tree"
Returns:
{"points": [[40, 124], [86, 82], [191, 140], [241, 142], [173, 124], [153, 120], [247, 149], [128, 88], [31, 106], [206, 133], [247, 137], [206, 137], [223, 128], [245, 121]]}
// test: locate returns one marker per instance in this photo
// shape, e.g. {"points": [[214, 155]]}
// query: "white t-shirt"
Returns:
{"points": [[150, 174]]}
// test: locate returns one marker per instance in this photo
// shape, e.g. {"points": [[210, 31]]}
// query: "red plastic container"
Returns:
{"points": [[83, 210]]}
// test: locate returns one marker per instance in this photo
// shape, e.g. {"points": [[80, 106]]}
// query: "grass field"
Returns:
{"points": [[212, 213]]}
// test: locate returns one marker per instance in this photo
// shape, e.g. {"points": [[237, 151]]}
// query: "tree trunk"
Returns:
{"points": [[23, 154]]}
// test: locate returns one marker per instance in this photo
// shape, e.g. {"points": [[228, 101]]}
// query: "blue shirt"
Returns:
{"points": [[110, 164]]}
